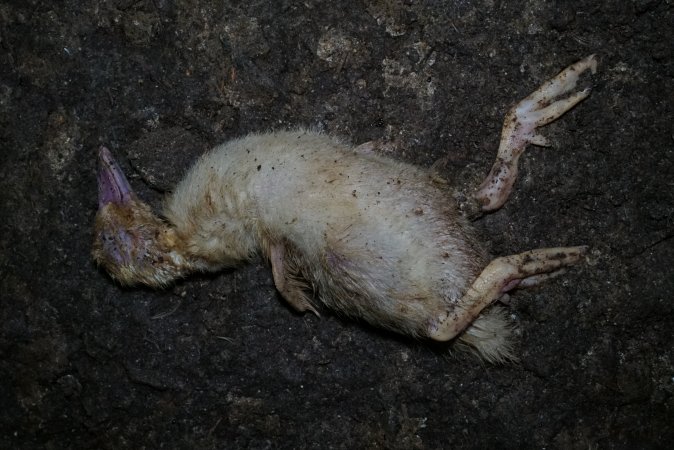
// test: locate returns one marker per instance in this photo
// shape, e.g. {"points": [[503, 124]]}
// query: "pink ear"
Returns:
{"points": [[113, 186]]}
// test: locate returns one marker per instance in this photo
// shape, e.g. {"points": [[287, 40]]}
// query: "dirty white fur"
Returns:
{"points": [[371, 238], [375, 238]]}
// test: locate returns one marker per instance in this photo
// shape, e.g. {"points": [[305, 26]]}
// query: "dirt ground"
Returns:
{"points": [[221, 361]]}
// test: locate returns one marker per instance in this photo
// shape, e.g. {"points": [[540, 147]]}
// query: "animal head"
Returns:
{"points": [[130, 241]]}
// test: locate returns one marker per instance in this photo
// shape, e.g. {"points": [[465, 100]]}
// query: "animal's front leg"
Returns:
{"points": [[519, 129], [286, 282], [500, 276]]}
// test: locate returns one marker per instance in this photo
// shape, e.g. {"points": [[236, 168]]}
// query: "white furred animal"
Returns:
{"points": [[370, 237]]}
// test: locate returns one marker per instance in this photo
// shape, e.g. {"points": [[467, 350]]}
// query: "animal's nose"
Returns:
{"points": [[113, 187]]}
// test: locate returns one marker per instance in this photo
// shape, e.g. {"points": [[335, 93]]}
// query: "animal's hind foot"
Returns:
{"points": [[500, 276], [544, 105]]}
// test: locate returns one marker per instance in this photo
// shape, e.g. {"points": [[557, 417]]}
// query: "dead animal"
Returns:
{"points": [[370, 237]]}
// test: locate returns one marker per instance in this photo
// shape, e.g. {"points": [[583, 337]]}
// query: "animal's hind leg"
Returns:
{"points": [[500, 276], [519, 129]]}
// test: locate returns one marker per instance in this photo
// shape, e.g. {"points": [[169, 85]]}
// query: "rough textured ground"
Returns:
{"points": [[220, 361]]}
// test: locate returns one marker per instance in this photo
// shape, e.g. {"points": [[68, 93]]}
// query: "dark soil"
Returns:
{"points": [[221, 361]]}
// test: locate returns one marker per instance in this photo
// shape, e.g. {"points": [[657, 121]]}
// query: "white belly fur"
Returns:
{"points": [[377, 238]]}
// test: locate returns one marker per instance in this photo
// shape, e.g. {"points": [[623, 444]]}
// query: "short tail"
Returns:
{"points": [[490, 336]]}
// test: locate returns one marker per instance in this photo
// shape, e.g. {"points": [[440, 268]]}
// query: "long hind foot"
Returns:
{"points": [[519, 129], [500, 276]]}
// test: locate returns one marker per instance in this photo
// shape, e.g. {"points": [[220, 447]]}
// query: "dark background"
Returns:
{"points": [[221, 361]]}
